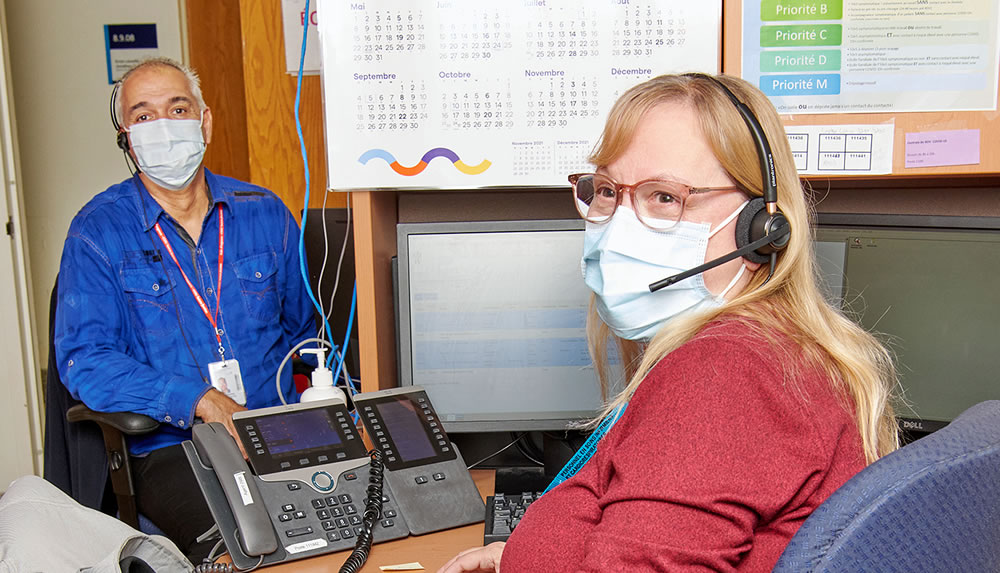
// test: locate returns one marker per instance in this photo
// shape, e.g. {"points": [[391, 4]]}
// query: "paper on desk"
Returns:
{"points": [[413, 566]]}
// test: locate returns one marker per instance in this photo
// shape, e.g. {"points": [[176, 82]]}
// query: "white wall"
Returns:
{"points": [[66, 141]]}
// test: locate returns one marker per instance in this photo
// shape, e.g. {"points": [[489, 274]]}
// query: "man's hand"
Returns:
{"points": [[215, 406]]}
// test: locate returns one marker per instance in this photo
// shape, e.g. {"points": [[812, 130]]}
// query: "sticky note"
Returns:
{"points": [[938, 148], [413, 566]]}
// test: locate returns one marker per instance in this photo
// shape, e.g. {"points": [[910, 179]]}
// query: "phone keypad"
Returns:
{"points": [[336, 517]]}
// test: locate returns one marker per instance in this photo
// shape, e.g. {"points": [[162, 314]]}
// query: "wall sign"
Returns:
{"points": [[127, 45], [872, 56], [293, 18]]}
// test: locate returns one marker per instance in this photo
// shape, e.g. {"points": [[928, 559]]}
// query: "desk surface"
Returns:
{"points": [[432, 550]]}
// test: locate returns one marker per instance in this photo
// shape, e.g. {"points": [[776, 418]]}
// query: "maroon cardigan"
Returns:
{"points": [[721, 454]]}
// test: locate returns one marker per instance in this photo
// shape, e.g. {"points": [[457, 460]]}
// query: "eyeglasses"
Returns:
{"points": [[658, 204]]}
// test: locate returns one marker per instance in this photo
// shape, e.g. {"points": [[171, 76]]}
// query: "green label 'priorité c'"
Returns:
{"points": [[801, 35]]}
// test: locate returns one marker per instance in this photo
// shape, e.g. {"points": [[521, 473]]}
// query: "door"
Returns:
{"points": [[20, 423]]}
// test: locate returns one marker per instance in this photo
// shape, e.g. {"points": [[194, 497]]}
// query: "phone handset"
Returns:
{"points": [[218, 449]]}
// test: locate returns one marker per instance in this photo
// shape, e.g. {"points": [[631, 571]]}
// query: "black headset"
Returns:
{"points": [[761, 228], [121, 137], [761, 217]]}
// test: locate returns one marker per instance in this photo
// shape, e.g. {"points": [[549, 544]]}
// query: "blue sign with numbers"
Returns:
{"points": [[127, 45]]}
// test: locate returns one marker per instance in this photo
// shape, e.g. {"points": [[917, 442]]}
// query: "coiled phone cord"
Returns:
{"points": [[371, 515], [224, 567], [214, 568]]}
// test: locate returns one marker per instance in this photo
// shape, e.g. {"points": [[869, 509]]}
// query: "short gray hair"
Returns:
{"points": [[194, 83]]}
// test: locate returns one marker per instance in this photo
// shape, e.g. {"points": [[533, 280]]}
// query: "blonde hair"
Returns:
{"points": [[859, 367]]}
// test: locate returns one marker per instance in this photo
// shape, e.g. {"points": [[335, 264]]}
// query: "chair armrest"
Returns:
{"points": [[125, 422]]}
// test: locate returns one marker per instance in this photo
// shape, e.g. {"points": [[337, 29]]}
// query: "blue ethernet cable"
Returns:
{"points": [[305, 164]]}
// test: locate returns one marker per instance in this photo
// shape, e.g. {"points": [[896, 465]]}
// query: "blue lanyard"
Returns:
{"points": [[586, 451]]}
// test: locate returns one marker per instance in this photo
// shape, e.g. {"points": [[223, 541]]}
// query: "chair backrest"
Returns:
{"points": [[74, 454], [83, 448], [933, 505]]}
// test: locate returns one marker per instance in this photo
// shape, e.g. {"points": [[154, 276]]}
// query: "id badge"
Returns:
{"points": [[226, 378]]}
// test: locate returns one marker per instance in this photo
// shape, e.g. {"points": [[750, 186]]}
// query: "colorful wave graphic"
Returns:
{"points": [[422, 164]]}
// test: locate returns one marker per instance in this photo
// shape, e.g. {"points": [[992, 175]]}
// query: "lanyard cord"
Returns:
{"points": [[177, 305], [587, 450], [212, 318]]}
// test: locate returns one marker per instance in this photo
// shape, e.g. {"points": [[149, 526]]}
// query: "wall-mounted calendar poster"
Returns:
{"points": [[466, 94]]}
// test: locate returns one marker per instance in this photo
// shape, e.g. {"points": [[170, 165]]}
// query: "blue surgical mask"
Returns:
{"points": [[168, 151], [622, 257]]}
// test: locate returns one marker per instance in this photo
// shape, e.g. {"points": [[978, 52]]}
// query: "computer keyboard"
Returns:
{"points": [[504, 512]]}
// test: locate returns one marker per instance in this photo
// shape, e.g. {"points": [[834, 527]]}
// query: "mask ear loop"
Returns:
{"points": [[732, 283], [728, 219], [743, 266]]}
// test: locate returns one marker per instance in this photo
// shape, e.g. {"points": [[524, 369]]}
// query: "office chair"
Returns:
{"points": [[932, 505], [79, 456]]}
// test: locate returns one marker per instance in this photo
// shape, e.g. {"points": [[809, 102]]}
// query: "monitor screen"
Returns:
{"points": [[931, 287], [492, 319]]}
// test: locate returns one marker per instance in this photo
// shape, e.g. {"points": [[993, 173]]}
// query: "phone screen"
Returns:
{"points": [[298, 431], [407, 430]]}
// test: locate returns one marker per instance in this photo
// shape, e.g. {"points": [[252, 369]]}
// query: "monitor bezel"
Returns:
{"points": [[909, 425], [912, 221], [403, 327]]}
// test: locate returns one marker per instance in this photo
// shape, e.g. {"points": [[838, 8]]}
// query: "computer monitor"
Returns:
{"points": [[930, 285], [492, 320]]}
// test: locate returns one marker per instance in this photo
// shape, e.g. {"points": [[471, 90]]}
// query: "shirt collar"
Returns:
{"points": [[150, 210]]}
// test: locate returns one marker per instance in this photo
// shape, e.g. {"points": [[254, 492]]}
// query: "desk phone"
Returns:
{"points": [[423, 467], [306, 488]]}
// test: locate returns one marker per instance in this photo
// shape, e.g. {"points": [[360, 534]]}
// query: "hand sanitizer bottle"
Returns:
{"points": [[322, 387]]}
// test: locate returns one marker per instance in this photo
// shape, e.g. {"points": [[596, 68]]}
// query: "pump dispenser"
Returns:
{"points": [[322, 387]]}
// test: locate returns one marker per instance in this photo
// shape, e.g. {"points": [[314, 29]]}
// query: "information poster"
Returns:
{"points": [[126, 45], [842, 56], [468, 94]]}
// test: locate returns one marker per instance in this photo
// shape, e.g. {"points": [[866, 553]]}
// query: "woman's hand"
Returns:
{"points": [[476, 560]]}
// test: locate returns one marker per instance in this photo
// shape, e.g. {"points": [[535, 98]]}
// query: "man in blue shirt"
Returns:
{"points": [[179, 293]]}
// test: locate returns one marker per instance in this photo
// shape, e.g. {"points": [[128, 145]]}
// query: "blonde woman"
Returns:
{"points": [[750, 399]]}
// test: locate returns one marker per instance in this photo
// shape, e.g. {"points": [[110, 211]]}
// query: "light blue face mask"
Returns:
{"points": [[169, 151], [622, 257]]}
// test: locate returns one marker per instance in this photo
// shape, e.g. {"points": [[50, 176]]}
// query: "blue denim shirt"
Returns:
{"points": [[129, 335]]}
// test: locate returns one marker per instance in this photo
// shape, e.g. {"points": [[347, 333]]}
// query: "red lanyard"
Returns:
{"points": [[194, 291]]}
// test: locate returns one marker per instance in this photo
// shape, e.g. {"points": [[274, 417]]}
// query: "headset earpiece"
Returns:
{"points": [[753, 224], [755, 210], [121, 137], [122, 140]]}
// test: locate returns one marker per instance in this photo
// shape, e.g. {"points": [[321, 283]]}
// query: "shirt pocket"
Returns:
{"points": [[258, 278], [150, 299]]}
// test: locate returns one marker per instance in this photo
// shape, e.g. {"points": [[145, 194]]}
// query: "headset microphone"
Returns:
{"points": [[741, 252]]}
